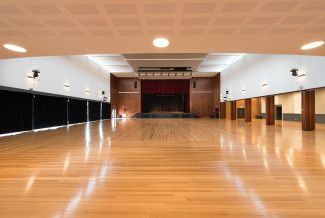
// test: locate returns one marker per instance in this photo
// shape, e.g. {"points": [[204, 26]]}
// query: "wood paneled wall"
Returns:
{"points": [[124, 96], [256, 107], [223, 112], [114, 91], [206, 96], [203, 99]]}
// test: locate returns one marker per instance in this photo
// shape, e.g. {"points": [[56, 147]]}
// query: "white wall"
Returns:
{"points": [[78, 71], [252, 70]]}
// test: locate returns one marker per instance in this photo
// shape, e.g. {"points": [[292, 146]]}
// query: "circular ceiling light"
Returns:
{"points": [[312, 45], [15, 48], [161, 42]]}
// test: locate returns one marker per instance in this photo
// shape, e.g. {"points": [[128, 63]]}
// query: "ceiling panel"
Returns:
{"points": [[109, 59], [135, 64], [120, 8], [192, 26], [44, 9], [118, 68]]}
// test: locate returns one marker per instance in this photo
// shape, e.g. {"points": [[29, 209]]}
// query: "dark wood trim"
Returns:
{"points": [[308, 110], [248, 110]]}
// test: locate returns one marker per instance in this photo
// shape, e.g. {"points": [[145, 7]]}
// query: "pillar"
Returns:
{"points": [[233, 110], [308, 110], [248, 110], [270, 110]]}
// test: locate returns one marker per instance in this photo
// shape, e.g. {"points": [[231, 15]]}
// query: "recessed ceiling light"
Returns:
{"points": [[161, 42], [312, 45], [15, 48]]}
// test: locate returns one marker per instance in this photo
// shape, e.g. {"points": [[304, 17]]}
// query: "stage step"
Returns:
{"points": [[164, 115]]}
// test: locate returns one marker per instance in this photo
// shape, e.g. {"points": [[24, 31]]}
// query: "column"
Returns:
{"points": [[248, 110], [308, 110], [270, 110], [233, 110]]}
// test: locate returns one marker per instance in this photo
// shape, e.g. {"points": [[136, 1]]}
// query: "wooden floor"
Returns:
{"points": [[164, 168]]}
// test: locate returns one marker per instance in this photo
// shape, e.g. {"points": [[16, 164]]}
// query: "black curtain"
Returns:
{"points": [[94, 110], [165, 103], [49, 111], [15, 111], [106, 110], [77, 111]]}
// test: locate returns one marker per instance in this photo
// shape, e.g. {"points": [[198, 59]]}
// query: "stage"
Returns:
{"points": [[165, 115]]}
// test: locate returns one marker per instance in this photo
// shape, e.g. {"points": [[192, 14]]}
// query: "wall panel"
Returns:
{"points": [[49, 111], [15, 111], [77, 111]]}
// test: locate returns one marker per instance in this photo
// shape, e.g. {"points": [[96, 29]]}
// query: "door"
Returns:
{"points": [[278, 112], [240, 113]]}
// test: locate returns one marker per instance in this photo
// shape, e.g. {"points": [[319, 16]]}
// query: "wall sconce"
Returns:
{"points": [[66, 85], [87, 91], [243, 90], [302, 75], [265, 84]]}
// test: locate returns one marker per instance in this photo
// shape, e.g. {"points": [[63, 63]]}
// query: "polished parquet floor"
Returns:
{"points": [[164, 168]]}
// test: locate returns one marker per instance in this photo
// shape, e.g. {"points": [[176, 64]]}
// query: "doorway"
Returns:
{"points": [[278, 112], [241, 113]]}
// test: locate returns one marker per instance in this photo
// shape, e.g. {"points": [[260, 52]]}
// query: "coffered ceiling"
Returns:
{"points": [[65, 27]]}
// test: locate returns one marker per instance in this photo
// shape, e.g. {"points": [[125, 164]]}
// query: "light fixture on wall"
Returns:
{"points": [[160, 42], [66, 85], [35, 74], [243, 90], [295, 73], [264, 84], [87, 91], [15, 48], [312, 45]]}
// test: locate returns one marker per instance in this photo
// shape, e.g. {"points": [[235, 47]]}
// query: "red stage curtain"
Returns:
{"points": [[165, 86]]}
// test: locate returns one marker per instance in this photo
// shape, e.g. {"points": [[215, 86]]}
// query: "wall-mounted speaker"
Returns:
{"points": [[36, 73], [227, 92], [135, 84]]}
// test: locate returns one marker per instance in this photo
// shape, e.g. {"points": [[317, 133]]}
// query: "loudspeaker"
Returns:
{"points": [[135, 84], [194, 84], [36, 73]]}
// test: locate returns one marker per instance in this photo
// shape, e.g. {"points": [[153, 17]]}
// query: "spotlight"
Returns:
{"points": [[294, 72]]}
